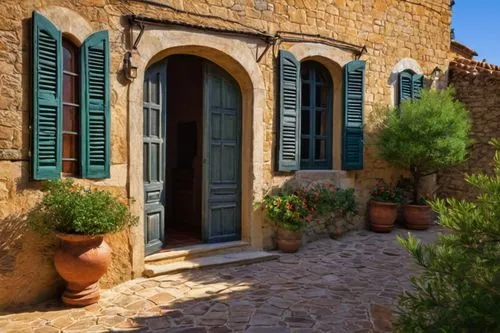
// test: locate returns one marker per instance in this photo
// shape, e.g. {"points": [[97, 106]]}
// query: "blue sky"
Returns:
{"points": [[477, 25]]}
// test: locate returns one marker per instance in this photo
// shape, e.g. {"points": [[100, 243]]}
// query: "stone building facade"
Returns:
{"points": [[478, 86], [244, 39]]}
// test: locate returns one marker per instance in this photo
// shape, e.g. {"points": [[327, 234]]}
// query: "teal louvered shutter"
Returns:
{"points": [[47, 99], [405, 86], [417, 85], [95, 139], [352, 146], [288, 156]]}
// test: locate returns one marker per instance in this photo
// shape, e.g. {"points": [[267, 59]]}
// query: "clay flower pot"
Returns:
{"points": [[288, 241], [81, 261], [382, 215], [417, 217]]}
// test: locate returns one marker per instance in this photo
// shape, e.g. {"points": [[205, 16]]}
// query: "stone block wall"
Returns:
{"points": [[391, 30], [478, 87]]}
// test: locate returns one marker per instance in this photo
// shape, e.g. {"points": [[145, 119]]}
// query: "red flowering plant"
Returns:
{"points": [[287, 210], [386, 193], [323, 199]]}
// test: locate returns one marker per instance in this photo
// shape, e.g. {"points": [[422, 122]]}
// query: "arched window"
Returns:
{"points": [[410, 85], [316, 117], [71, 109]]}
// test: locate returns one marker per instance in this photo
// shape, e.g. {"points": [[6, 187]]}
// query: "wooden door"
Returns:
{"points": [[222, 156], [154, 156]]}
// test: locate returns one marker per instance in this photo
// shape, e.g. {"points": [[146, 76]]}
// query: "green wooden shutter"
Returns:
{"points": [[288, 156], [95, 101], [352, 147], [417, 85], [405, 86], [47, 99]]}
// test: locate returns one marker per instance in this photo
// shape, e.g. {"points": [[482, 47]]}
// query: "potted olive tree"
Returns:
{"points": [[290, 214], [383, 206], [424, 136], [80, 217]]}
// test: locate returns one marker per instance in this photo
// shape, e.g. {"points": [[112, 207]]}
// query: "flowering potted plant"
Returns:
{"points": [[383, 208], [80, 217], [291, 214]]}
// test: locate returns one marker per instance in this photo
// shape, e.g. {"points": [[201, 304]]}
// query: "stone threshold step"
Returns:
{"points": [[245, 257], [193, 251]]}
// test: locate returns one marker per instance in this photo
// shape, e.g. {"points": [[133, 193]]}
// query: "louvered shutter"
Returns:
{"points": [[95, 112], [352, 147], [417, 85], [47, 99], [405, 86], [288, 156]]}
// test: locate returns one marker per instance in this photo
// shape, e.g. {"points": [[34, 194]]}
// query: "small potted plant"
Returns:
{"points": [[383, 206], [291, 214], [424, 136], [80, 217]]}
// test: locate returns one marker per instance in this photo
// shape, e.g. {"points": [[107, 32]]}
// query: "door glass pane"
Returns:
{"points": [[155, 87], [155, 161], [304, 72], [70, 84], [145, 162], [145, 122], [320, 150], [320, 123], [155, 122], [70, 118], [305, 122], [70, 146], [304, 149]]}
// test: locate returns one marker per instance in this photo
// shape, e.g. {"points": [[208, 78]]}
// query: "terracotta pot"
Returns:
{"points": [[417, 217], [81, 261], [382, 215], [289, 241]]}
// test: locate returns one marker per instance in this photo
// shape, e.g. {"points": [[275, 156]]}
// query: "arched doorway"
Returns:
{"points": [[192, 153]]}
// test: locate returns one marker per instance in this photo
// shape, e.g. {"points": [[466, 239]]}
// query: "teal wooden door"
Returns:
{"points": [[154, 156], [222, 156]]}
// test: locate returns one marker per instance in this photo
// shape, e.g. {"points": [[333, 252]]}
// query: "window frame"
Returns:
{"points": [[68, 44], [315, 68]]}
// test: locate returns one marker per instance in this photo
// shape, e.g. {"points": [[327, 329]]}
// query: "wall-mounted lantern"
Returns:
{"points": [[436, 74], [128, 68]]}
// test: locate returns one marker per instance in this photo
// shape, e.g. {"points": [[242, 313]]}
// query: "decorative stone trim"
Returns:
{"points": [[402, 65], [237, 57], [69, 22]]}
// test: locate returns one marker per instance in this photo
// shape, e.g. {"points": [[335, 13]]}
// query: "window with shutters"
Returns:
{"points": [[316, 117], [71, 109], [410, 85]]}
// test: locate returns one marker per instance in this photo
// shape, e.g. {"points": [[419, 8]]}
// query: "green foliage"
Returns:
{"points": [[293, 210], [386, 193], [287, 210], [459, 290], [73, 209], [425, 135]]}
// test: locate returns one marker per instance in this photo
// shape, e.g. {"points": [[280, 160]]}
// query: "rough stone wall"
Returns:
{"points": [[390, 30], [481, 95]]}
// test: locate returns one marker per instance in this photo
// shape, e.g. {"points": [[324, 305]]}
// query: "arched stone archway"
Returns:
{"points": [[238, 59]]}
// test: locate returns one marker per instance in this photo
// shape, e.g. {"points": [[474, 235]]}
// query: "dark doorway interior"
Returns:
{"points": [[184, 150]]}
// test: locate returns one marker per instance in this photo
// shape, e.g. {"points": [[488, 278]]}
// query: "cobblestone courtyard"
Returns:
{"points": [[344, 285]]}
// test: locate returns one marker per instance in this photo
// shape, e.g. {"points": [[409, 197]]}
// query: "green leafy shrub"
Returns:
{"points": [[459, 290], [73, 209], [425, 135], [287, 210], [294, 209], [386, 193]]}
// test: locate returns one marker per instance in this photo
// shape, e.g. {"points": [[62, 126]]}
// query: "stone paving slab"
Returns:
{"points": [[346, 285]]}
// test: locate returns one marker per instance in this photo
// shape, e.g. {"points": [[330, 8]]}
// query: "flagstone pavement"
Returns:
{"points": [[346, 285]]}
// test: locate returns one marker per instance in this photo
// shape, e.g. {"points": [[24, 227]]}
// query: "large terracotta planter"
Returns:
{"points": [[417, 217], [81, 261], [288, 241], [382, 215]]}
